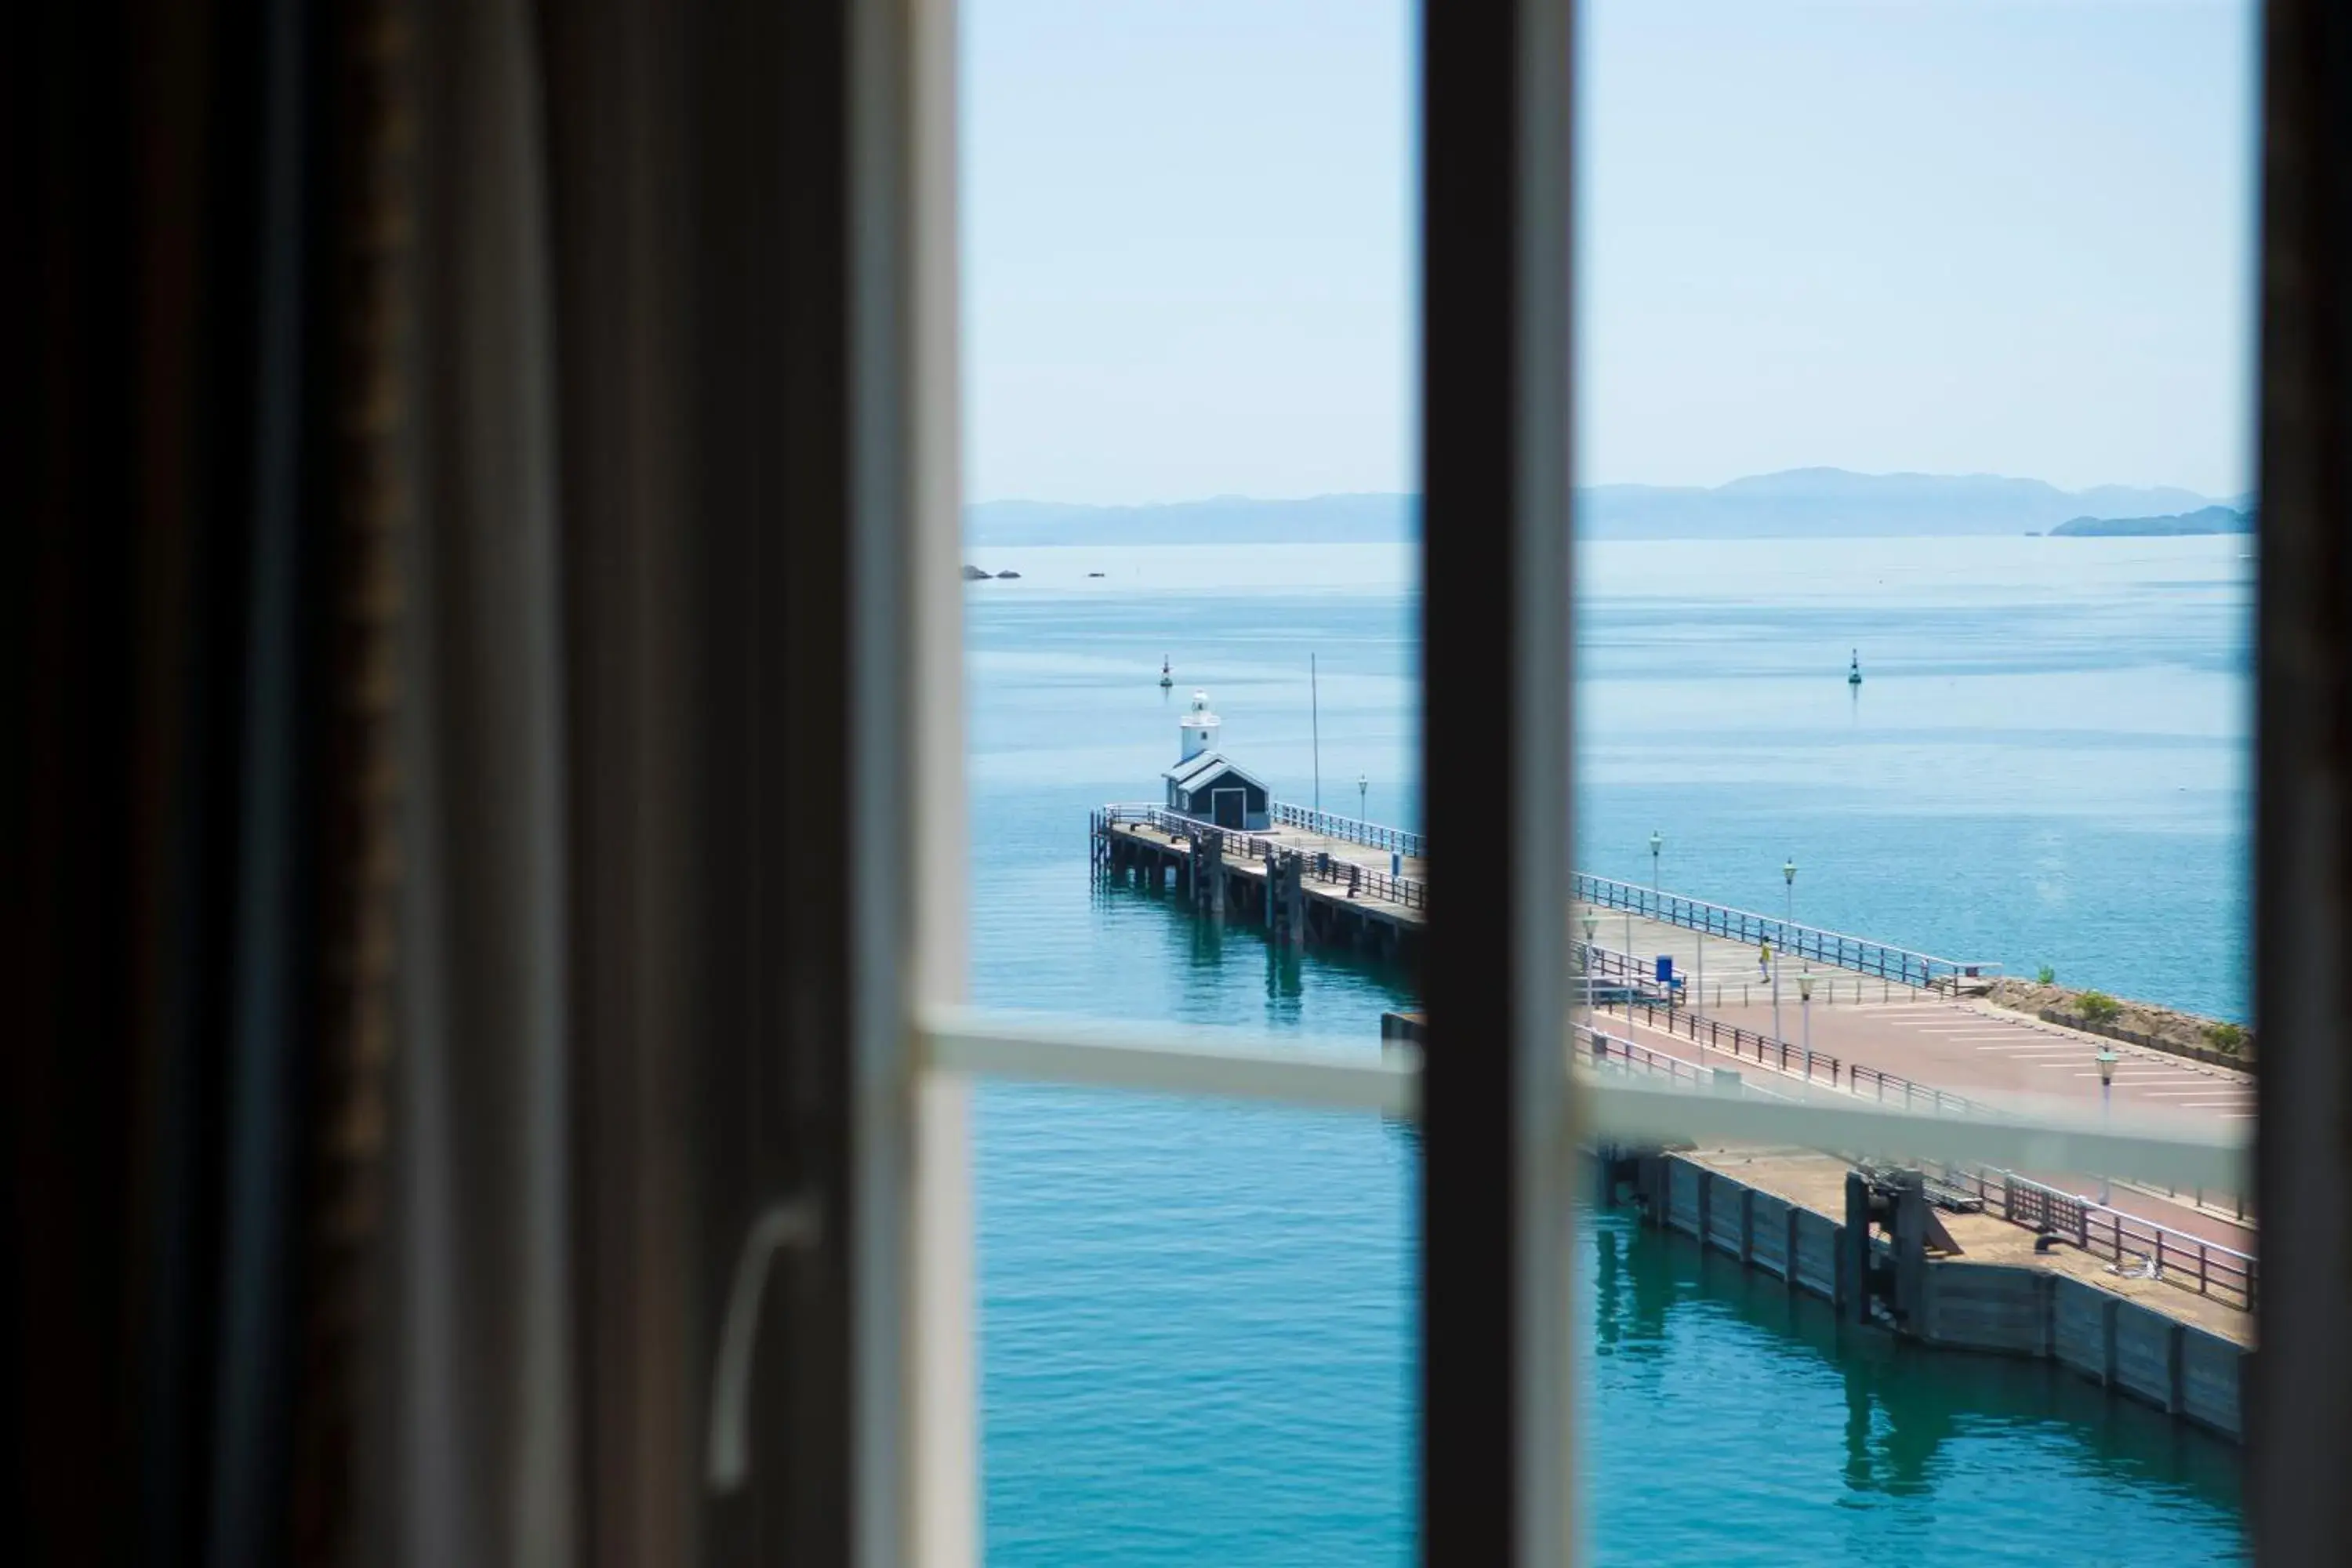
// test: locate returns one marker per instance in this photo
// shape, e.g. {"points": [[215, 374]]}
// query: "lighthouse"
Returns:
{"points": [[1207, 786], [1198, 729]]}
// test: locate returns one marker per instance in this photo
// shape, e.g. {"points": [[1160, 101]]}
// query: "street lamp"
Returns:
{"points": [[1657, 843], [1805, 1012], [1592, 1005], [2106, 1061], [1788, 919], [1362, 784]]}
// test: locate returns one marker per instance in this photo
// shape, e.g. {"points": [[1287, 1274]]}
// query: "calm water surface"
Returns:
{"points": [[1198, 1319]]}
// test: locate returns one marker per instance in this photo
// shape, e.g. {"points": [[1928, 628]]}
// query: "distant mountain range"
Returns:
{"points": [[2205, 520], [1220, 520], [1800, 503]]}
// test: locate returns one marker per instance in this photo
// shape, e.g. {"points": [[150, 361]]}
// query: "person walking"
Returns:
{"points": [[1764, 960]]}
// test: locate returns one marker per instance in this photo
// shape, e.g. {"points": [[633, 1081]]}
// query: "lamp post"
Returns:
{"points": [[1805, 1012], [1658, 902], [1788, 919], [2106, 1061], [1591, 1005], [1699, 965], [1362, 784]]}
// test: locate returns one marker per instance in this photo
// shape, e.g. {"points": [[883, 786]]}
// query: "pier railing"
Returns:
{"points": [[1896, 965], [1889, 1089], [1352, 830], [1813, 1066], [1598, 1049], [2175, 1256], [1239, 844], [1605, 1052], [1901, 965], [1359, 878], [1604, 963], [2172, 1256]]}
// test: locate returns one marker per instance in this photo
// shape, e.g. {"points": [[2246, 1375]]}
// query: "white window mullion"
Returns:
{"points": [[918, 1454]]}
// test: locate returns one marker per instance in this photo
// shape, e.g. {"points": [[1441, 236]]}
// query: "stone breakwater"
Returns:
{"points": [[2140, 1023]]}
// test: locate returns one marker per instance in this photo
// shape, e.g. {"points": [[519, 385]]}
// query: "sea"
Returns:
{"points": [[1198, 1319]]}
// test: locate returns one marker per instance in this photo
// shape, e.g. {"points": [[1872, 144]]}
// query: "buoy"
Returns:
{"points": [[1853, 673], [1166, 680]]}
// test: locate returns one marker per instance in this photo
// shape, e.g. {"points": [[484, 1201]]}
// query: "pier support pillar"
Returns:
{"points": [[1853, 1251], [1910, 1203]]}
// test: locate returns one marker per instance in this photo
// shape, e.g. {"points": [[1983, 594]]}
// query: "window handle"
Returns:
{"points": [[796, 1222]]}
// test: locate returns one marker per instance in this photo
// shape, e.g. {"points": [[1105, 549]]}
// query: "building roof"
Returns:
{"points": [[1192, 770], [1185, 772]]}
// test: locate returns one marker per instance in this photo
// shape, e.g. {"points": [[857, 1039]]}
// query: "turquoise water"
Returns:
{"points": [[1197, 1320]]}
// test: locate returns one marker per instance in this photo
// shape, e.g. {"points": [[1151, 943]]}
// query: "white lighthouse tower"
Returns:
{"points": [[1198, 727]]}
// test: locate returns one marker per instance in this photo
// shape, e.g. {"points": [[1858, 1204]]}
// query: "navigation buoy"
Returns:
{"points": [[1167, 681], [1853, 672]]}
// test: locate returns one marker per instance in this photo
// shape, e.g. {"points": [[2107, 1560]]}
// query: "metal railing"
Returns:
{"points": [[1596, 962], [2213, 1200], [1354, 830], [1603, 1051], [1813, 1066], [1359, 879], [1899, 965], [2175, 1256], [1890, 1088], [1599, 1049], [1896, 965], [1239, 844], [1859, 955]]}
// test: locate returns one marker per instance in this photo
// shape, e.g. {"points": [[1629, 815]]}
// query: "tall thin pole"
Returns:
{"points": [[1315, 718], [2106, 1124]]}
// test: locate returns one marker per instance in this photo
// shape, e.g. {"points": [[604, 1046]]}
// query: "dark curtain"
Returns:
{"points": [[424, 953]]}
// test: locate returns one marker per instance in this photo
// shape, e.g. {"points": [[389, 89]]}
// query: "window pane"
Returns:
{"points": [[1915, 582], [1189, 316]]}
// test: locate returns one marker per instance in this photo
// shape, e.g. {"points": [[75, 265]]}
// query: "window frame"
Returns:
{"points": [[1501, 1114]]}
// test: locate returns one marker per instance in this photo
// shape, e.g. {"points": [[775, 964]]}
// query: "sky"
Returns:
{"points": [[1941, 236]]}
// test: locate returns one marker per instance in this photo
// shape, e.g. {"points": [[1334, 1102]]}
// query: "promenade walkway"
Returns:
{"points": [[1963, 1046]]}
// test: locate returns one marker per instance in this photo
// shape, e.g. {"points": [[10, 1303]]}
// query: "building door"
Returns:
{"points": [[1229, 807]]}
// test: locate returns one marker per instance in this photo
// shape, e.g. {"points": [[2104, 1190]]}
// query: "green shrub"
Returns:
{"points": [[2097, 1006], [2045, 975], [2228, 1038]]}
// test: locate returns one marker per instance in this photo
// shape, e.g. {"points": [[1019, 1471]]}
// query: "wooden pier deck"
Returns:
{"points": [[1306, 885]]}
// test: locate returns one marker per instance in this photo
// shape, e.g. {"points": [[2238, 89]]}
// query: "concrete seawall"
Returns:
{"points": [[2013, 1307]]}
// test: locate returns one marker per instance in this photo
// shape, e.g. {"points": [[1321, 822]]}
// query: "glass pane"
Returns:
{"points": [[1914, 608], [1192, 595]]}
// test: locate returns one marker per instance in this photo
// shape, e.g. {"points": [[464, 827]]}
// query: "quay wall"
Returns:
{"points": [[1997, 1308]]}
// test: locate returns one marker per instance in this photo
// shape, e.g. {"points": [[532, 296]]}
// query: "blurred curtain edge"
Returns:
{"points": [[436, 477]]}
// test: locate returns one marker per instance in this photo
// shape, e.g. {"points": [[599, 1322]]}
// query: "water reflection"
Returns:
{"points": [[1907, 1407]]}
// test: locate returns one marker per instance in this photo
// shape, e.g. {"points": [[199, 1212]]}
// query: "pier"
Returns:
{"points": [[1891, 1249], [2149, 1290], [1305, 881]]}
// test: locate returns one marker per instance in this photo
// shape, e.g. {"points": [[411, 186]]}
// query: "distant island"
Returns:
{"points": [[2204, 520], [1798, 503]]}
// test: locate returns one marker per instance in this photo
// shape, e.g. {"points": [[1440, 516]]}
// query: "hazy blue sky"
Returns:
{"points": [[1953, 237]]}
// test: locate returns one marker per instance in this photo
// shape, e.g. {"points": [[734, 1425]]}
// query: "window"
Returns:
{"points": [[1502, 1112]]}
